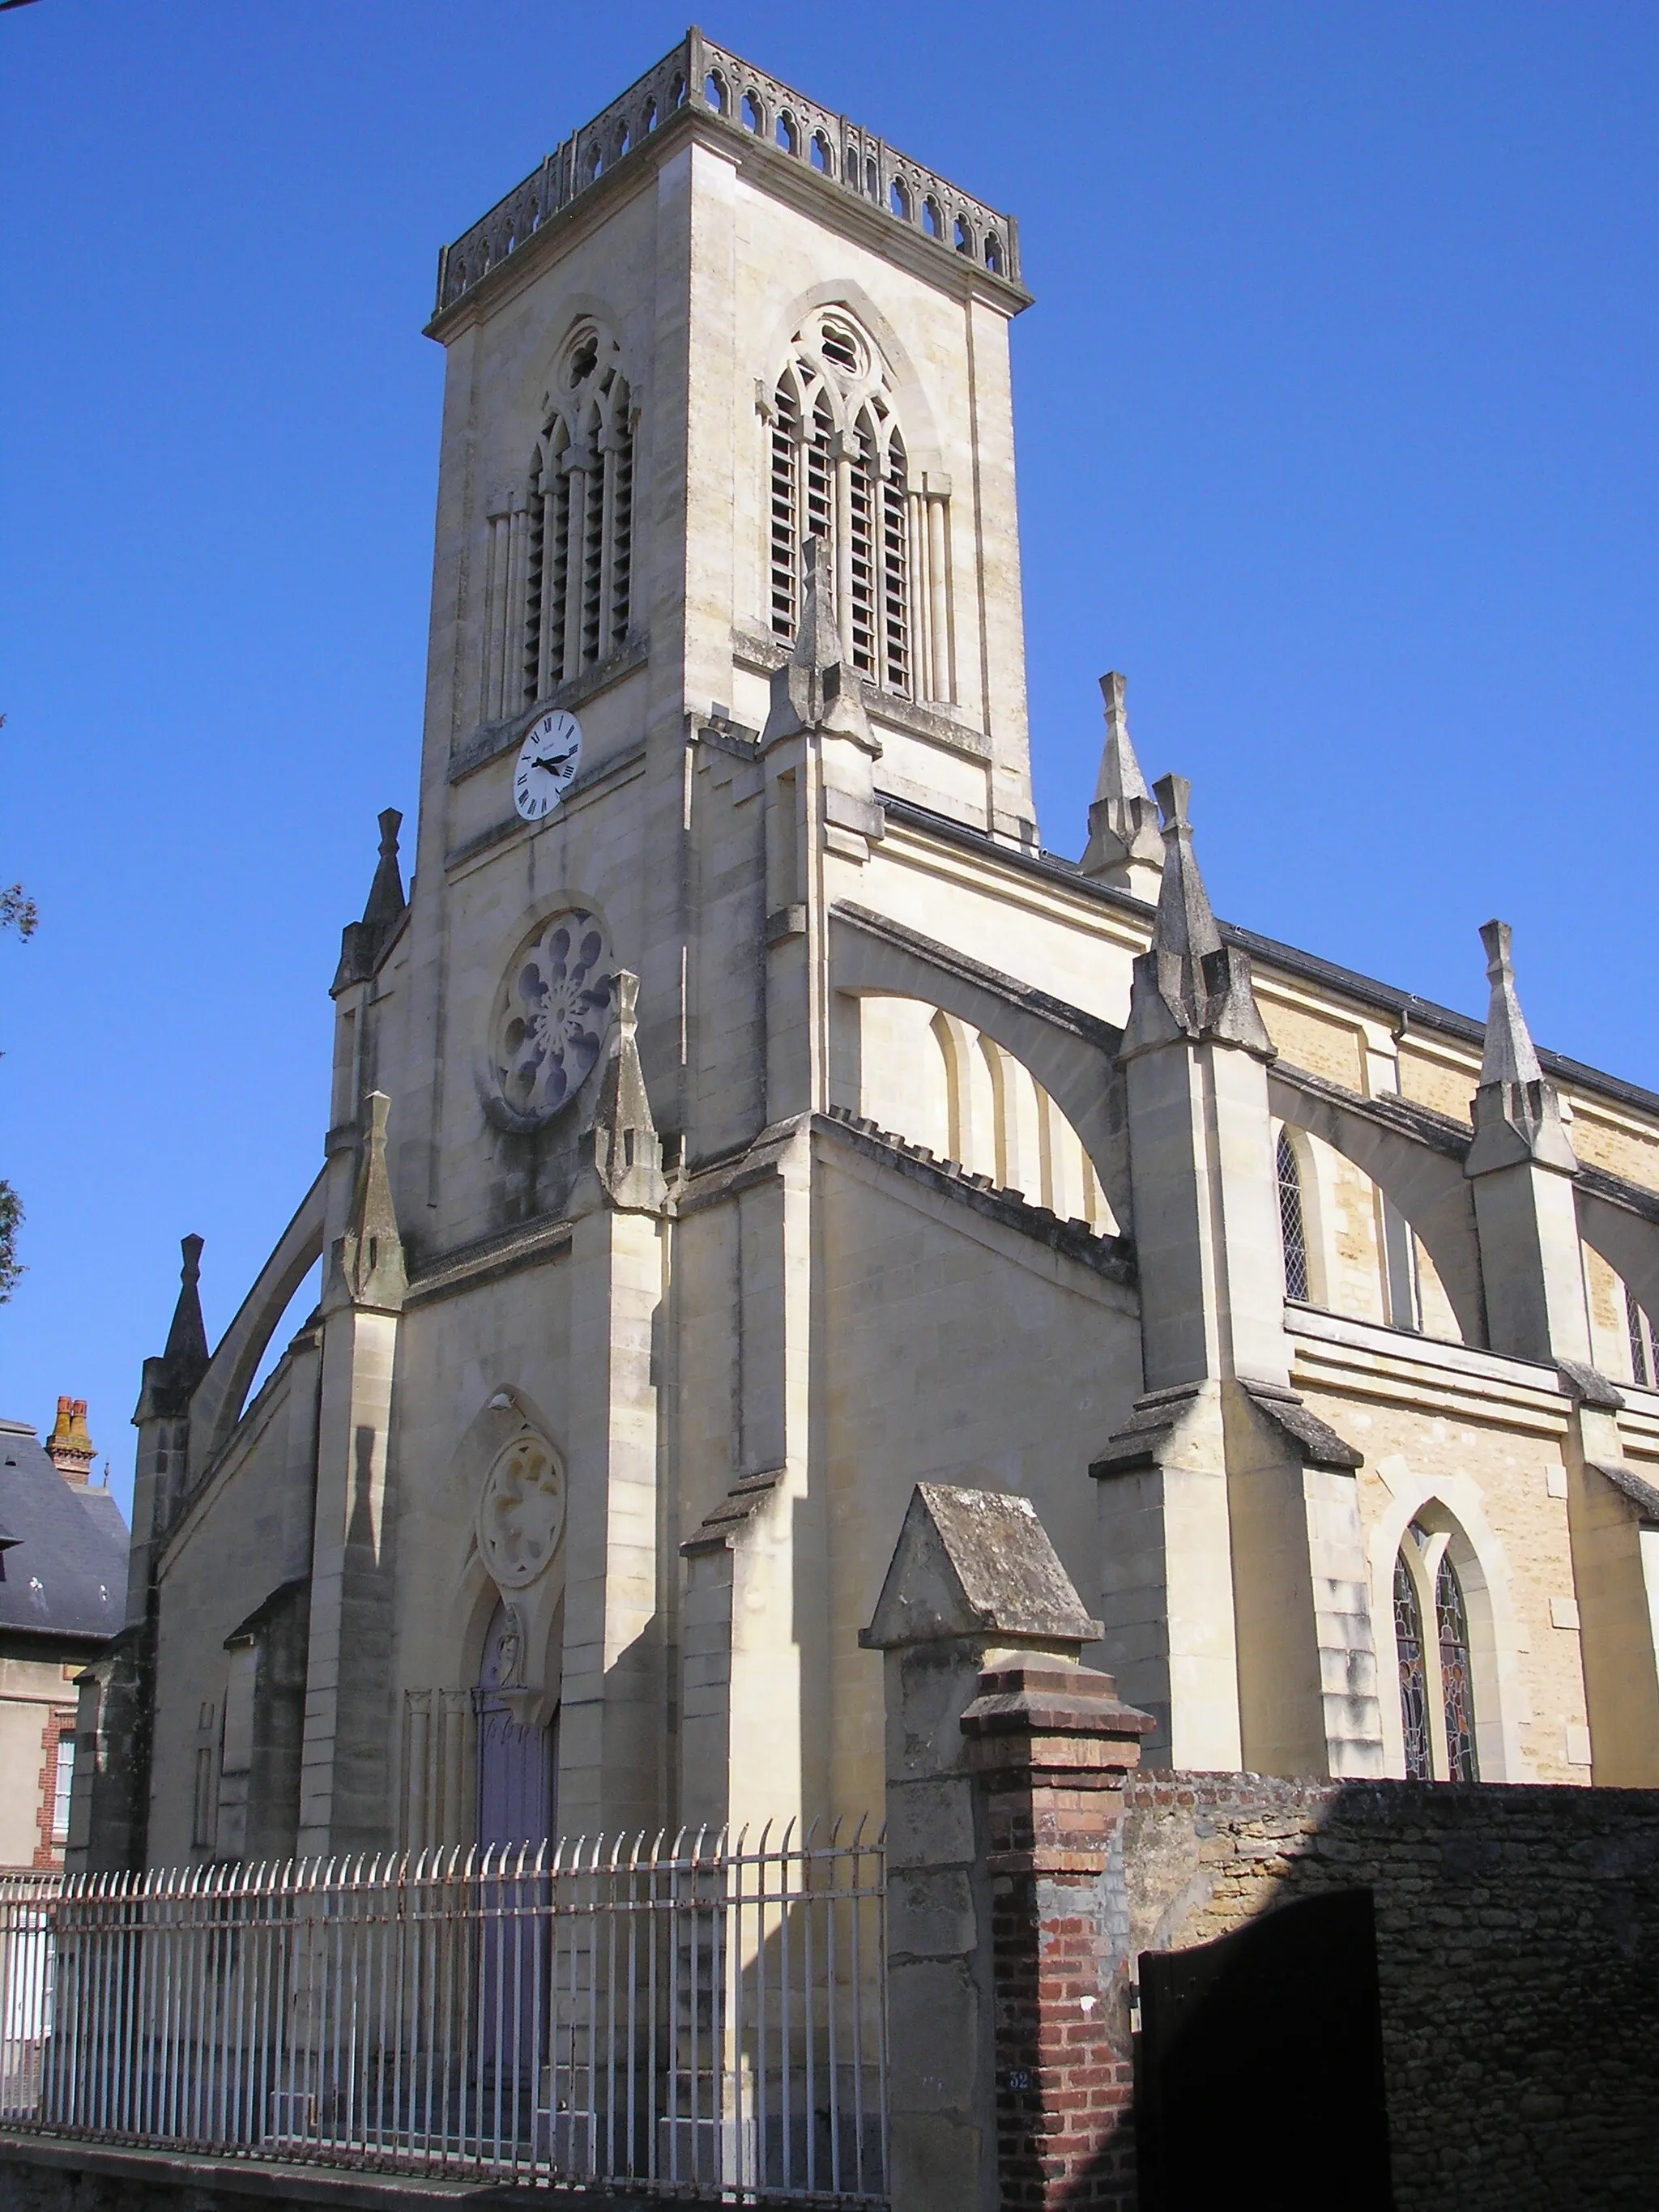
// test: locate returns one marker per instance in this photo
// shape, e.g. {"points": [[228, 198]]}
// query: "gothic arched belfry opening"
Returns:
{"points": [[741, 1116]]}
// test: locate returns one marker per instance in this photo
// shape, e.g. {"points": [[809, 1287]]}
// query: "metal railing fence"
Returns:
{"points": [[684, 2013]]}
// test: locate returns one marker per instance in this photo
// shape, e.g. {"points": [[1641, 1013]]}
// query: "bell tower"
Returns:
{"points": [[725, 605], [717, 319]]}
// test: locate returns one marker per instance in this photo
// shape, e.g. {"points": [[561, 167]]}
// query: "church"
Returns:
{"points": [[740, 1115]]}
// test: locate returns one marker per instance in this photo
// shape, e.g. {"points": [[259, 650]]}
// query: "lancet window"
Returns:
{"points": [[839, 469], [1640, 1335], [1436, 1672], [1293, 1233], [1456, 1686], [1413, 1673], [559, 571]]}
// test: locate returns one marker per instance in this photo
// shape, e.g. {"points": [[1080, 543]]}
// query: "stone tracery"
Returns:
{"points": [[559, 563], [839, 471], [520, 1521], [552, 1012], [1432, 1648]]}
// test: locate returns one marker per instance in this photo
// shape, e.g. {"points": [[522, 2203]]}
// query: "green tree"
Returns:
{"points": [[17, 908], [11, 1213]]}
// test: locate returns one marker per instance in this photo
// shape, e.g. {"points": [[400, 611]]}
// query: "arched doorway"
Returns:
{"points": [[518, 1766], [518, 1769]]}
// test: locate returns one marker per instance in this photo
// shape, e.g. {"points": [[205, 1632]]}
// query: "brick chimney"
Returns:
{"points": [[70, 1449]]}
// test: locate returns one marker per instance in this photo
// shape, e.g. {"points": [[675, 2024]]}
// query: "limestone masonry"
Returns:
{"points": [[741, 1118]]}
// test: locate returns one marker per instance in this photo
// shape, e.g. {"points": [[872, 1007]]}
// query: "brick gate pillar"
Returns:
{"points": [[997, 1824], [1052, 1745]]}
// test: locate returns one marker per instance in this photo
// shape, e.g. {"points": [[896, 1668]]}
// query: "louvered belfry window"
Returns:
{"points": [[862, 495], [786, 462], [803, 494], [838, 470], [559, 561]]}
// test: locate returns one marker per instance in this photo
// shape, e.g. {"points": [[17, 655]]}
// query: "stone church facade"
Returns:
{"points": [[742, 1117]]}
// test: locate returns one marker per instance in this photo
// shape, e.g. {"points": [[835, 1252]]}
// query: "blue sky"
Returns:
{"points": [[1337, 433]]}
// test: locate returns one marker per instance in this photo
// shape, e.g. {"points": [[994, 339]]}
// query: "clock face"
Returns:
{"points": [[548, 760]]}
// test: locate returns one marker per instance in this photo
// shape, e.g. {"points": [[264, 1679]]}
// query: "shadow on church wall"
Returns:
{"points": [[1511, 2011]]}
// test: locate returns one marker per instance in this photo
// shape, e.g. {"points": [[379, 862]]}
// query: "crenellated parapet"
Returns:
{"points": [[835, 150]]}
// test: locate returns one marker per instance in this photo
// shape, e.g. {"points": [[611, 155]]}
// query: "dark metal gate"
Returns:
{"points": [[1260, 2067]]}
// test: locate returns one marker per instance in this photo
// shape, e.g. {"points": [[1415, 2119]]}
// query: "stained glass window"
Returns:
{"points": [[1290, 1220], [1635, 1321], [1456, 1688], [1413, 1673]]}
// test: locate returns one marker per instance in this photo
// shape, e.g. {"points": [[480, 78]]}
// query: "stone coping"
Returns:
{"points": [[203, 2181], [138, 2180]]}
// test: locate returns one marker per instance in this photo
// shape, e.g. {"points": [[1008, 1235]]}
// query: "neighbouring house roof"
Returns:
{"points": [[64, 1563]]}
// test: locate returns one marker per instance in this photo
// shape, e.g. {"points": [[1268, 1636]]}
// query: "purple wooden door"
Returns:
{"points": [[517, 1766], [517, 1771]]}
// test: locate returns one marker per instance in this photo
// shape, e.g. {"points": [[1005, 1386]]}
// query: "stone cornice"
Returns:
{"points": [[759, 1160], [1427, 1375], [616, 768], [492, 740], [761, 653], [487, 1258]]}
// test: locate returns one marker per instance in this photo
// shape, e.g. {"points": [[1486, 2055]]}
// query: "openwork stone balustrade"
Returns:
{"points": [[785, 120]]}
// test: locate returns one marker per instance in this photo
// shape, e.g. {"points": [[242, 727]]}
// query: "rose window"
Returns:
{"points": [[551, 1015], [521, 1513]]}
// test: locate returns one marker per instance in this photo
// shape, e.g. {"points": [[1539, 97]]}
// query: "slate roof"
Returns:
{"points": [[63, 1567]]}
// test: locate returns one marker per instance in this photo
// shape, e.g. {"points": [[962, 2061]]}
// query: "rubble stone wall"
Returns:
{"points": [[1517, 1933]]}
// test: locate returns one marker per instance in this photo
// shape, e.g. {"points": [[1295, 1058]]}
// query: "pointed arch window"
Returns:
{"points": [[1293, 1228], [838, 469], [1457, 1683], [1640, 1336], [1413, 1673], [559, 567], [1436, 1671]]}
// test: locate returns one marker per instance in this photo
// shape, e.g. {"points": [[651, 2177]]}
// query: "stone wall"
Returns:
{"points": [[1517, 1930], [1512, 2028]]}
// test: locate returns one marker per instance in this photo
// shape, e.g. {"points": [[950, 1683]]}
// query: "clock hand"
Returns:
{"points": [[554, 767]]}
